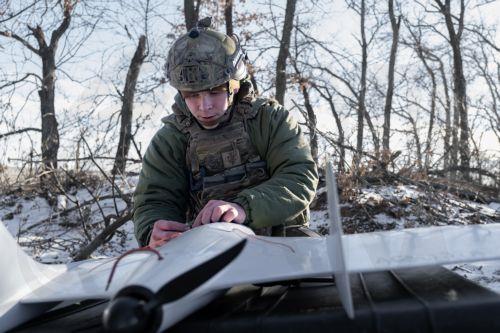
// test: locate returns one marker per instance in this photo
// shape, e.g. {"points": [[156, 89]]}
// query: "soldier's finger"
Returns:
{"points": [[159, 242], [154, 235], [156, 243], [170, 225], [229, 215], [197, 220], [206, 214], [164, 234], [218, 211]]}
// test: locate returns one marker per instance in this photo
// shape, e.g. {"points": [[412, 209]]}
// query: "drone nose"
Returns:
{"points": [[126, 312], [124, 315]]}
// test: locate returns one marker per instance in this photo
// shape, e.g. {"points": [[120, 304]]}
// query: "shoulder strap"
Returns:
{"points": [[181, 121], [249, 110]]}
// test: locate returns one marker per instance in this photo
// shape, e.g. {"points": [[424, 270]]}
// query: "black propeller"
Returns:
{"points": [[138, 309]]}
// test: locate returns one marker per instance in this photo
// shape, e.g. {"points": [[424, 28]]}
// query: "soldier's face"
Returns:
{"points": [[207, 106]]}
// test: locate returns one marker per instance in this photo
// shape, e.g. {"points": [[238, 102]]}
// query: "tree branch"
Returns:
{"points": [[21, 40], [56, 34], [483, 37], [19, 131], [100, 239], [20, 80], [40, 37]]}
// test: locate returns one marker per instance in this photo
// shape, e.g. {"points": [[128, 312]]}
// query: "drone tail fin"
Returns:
{"points": [[336, 249]]}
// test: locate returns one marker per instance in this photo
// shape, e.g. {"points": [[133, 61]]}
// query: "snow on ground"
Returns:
{"points": [[51, 236], [398, 207], [485, 273]]}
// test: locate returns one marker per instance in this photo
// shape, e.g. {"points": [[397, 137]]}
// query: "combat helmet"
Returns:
{"points": [[204, 58]]}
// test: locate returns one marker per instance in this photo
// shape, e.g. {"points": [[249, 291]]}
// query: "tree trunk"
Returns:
{"points": [[50, 133], [284, 50], [447, 109], [362, 91], [454, 136], [311, 123], [418, 146], [327, 96], [431, 116], [462, 110], [390, 82], [128, 107], [459, 84], [423, 56], [191, 12], [373, 131], [228, 17]]}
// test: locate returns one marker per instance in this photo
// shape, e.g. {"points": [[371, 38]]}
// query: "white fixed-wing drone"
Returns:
{"points": [[149, 292]]}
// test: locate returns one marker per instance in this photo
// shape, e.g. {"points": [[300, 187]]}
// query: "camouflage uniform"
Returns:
{"points": [[257, 157]]}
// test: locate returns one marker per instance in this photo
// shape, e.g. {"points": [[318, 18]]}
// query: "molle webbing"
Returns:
{"points": [[223, 161]]}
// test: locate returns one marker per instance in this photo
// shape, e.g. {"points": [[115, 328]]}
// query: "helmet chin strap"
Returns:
{"points": [[229, 111], [232, 89]]}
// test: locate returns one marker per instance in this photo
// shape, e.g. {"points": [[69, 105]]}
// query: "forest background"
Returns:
{"points": [[389, 91]]}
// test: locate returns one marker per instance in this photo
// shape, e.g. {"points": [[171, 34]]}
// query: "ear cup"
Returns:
{"points": [[126, 312]]}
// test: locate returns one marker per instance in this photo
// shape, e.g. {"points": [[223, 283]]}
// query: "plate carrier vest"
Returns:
{"points": [[221, 161]]}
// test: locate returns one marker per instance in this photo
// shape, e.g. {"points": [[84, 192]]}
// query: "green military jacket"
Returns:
{"points": [[163, 188]]}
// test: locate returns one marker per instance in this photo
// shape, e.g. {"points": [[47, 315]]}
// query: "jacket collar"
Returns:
{"points": [[246, 93]]}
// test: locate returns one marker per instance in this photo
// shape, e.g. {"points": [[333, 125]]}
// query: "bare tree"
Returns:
{"points": [[191, 13], [395, 24], [483, 63], [448, 128], [459, 83], [46, 50], [327, 96], [362, 87], [425, 55], [304, 87], [228, 17], [402, 111], [352, 77], [126, 112], [284, 51]]}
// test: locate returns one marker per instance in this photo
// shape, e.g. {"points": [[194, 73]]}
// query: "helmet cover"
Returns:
{"points": [[204, 58]]}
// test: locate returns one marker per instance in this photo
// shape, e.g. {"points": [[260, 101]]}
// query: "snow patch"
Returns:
{"points": [[495, 206], [484, 273], [385, 220], [319, 220], [371, 199]]}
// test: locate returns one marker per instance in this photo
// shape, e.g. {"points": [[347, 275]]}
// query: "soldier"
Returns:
{"points": [[223, 155]]}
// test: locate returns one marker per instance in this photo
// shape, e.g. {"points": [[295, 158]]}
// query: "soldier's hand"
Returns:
{"points": [[164, 230], [220, 211]]}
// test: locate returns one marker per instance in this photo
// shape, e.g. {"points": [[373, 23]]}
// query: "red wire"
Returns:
{"points": [[140, 249]]}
